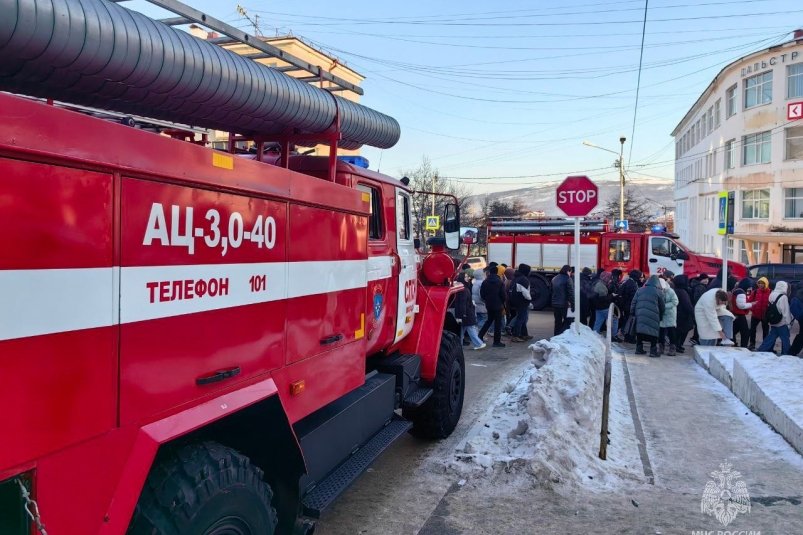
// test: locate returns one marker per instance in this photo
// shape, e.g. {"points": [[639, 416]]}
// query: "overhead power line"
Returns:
{"points": [[638, 81]]}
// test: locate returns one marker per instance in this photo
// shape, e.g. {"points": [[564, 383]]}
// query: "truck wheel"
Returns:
{"points": [[204, 489], [439, 415], [542, 295]]}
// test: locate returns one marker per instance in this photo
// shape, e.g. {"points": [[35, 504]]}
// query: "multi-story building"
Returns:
{"points": [[737, 138], [297, 47]]}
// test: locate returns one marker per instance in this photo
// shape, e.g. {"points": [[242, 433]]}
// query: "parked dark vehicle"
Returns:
{"points": [[791, 273]]}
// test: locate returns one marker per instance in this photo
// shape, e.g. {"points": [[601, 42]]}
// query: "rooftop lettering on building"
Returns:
{"points": [[763, 65]]}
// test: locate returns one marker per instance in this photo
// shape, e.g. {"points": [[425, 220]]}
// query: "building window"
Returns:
{"points": [[718, 113], [794, 80], [710, 119], [730, 154], [758, 90], [794, 142], [730, 101], [756, 204], [793, 203], [756, 148], [730, 247]]}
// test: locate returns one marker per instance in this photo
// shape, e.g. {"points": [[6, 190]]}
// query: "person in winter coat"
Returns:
{"points": [[519, 298], [760, 298], [741, 308], [465, 314], [586, 311], [669, 319], [627, 290], [510, 311], [707, 317], [602, 300], [648, 308], [562, 297], [685, 312], [796, 309], [479, 304], [698, 287], [780, 329], [615, 291], [492, 292]]}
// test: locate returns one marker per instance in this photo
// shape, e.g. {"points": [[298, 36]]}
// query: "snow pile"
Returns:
{"points": [[547, 425]]}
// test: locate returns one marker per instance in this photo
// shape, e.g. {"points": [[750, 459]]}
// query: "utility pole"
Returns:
{"points": [[254, 22], [622, 140]]}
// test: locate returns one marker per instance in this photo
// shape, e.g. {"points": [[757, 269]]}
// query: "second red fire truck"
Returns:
{"points": [[548, 244]]}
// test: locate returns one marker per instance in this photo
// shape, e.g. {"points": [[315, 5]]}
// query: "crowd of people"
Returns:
{"points": [[495, 299], [665, 312]]}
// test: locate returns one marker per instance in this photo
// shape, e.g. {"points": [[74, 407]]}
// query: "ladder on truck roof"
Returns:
{"points": [[556, 225], [188, 15]]}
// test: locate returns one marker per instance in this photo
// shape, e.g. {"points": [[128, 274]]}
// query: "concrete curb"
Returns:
{"points": [[720, 363], [701, 355], [771, 387]]}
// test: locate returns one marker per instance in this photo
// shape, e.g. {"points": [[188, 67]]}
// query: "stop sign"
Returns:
{"points": [[577, 196]]}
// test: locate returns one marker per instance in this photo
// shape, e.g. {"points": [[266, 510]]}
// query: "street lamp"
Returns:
{"points": [[622, 140]]}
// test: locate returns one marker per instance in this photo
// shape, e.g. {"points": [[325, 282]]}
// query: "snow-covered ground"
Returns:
{"points": [[545, 426]]}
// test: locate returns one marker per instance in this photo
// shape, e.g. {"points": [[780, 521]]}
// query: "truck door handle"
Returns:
{"points": [[217, 376], [653, 260], [331, 339]]}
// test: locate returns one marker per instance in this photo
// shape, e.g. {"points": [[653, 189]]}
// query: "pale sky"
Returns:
{"points": [[500, 96]]}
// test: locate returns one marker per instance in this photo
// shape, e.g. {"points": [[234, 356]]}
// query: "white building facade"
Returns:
{"points": [[737, 138]]}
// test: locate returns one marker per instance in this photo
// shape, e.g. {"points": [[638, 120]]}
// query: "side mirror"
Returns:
{"points": [[417, 243], [673, 256], [451, 226]]}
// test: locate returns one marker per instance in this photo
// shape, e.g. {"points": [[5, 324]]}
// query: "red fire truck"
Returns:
{"points": [[547, 244], [191, 341]]}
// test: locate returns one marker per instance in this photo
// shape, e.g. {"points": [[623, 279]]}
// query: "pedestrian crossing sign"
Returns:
{"points": [[433, 222]]}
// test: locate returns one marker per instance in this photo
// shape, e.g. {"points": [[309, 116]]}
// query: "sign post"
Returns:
{"points": [[727, 208], [576, 197]]}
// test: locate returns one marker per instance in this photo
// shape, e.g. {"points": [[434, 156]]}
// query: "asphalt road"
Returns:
{"points": [[691, 424], [402, 490]]}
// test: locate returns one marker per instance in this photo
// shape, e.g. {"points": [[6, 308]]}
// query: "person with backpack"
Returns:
{"points": [[779, 317], [519, 298], [760, 298], [602, 299], [796, 308]]}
